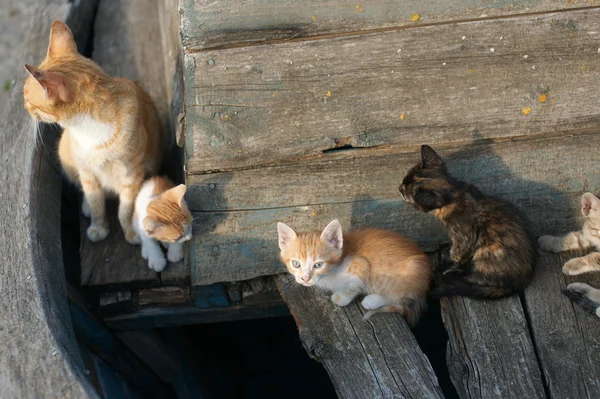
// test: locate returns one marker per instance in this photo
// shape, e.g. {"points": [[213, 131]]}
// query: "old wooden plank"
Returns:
{"points": [[566, 338], [163, 296], [379, 358], [40, 357], [177, 274], [500, 78], [152, 350], [217, 23], [542, 177], [186, 315], [112, 303]]}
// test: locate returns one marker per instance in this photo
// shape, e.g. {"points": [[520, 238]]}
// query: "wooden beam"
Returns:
{"points": [[209, 24], [507, 78], [379, 358]]}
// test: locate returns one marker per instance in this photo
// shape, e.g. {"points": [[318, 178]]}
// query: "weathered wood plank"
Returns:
{"points": [[163, 296], [567, 339], [379, 358], [40, 357], [213, 23], [112, 303], [544, 178], [256, 105]]}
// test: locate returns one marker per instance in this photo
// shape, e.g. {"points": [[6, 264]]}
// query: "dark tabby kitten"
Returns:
{"points": [[492, 253]]}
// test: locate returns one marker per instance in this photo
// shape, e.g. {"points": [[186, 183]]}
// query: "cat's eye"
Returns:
{"points": [[318, 265], [295, 264]]}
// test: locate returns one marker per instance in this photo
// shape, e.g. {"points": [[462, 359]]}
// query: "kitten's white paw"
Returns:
{"points": [[579, 287], [144, 252], [373, 301], [97, 233], [157, 264], [550, 243], [85, 209], [575, 266], [175, 253], [341, 299]]}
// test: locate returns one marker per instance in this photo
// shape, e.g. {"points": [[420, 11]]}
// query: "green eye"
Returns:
{"points": [[318, 265], [295, 264]]}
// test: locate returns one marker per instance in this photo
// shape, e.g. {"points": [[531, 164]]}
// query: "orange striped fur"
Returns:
{"points": [[112, 136]]}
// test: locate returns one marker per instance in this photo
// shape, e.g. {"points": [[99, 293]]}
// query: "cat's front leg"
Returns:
{"points": [[583, 264], [343, 298], [574, 240], [127, 196], [175, 252], [95, 198], [156, 257]]}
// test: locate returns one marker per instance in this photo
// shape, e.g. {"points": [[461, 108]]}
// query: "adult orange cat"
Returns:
{"points": [[389, 268], [112, 137]]}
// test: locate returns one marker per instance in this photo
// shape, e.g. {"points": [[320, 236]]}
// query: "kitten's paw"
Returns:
{"points": [[175, 253], [85, 209], [145, 252], [550, 243], [157, 264], [132, 237], [579, 288], [373, 301], [97, 233], [598, 312], [575, 266], [341, 299]]}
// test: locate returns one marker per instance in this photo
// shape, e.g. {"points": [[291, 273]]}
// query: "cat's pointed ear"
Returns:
{"points": [[151, 225], [178, 193], [588, 202], [333, 234], [53, 84], [286, 235], [61, 40], [430, 158]]}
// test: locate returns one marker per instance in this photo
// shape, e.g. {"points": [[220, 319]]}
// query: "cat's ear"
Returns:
{"points": [[588, 202], [151, 225], [177, 193], [430, 159], [61, 40], [52, 83], [333, 234], [429, 200], [286, 235]]}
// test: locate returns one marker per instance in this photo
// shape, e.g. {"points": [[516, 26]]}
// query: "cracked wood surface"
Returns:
{"points": [[379, 358]]}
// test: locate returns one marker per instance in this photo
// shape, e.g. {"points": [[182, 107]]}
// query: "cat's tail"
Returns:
{"points": [[577, 293], [411, 311], [469, 289]]}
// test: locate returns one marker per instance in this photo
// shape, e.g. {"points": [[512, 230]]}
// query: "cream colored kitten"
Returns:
{"points": [[161, 214], [588, 237], [390, 269]]}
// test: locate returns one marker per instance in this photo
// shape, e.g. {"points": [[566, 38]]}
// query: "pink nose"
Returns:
{"points": [[305, 279]]}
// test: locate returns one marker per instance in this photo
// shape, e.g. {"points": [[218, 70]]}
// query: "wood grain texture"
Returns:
{"points": [[542, 177], [163, 296], [379, 358], [112, 303], [213, 23], [40, 357], [262, 104], [566, 337]]}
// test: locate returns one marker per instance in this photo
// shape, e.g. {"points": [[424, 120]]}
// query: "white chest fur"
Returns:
{"points": [[340, 280], [88, 132], [141, 204]]}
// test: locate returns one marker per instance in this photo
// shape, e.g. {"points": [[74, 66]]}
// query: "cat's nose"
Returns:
{"points": [[305, 278]]}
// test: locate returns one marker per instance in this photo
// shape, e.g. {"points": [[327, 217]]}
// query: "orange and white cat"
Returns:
{"points": [[162, 215], [389, 268], [112, 137]]}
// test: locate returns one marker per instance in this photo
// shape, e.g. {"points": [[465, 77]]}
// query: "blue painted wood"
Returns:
{"points": [[211, 296]]}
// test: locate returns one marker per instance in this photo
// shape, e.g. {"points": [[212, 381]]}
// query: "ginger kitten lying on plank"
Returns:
{"points": [[112, 137], [391, 269], [492, 253]]}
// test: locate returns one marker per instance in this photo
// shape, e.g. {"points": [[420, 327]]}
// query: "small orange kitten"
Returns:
{"points": [[161, 214], [390, 268], [112, 136]]}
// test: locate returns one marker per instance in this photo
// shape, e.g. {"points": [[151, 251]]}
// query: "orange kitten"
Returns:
{"points": [[390, 268], [161, 214], [112, 136]]}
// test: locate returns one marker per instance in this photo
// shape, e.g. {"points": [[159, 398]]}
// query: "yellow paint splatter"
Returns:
{"points": [[512, 5], [240, 151], [314, 17], [471, 70], [415, 17], [313, 214], [328, 94], [570, 3], [357, 8], [226, 118], [401, 117], [347, 4], [274, 94], [592, 1], [542, 98], [525, 110], [467, 9]]}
